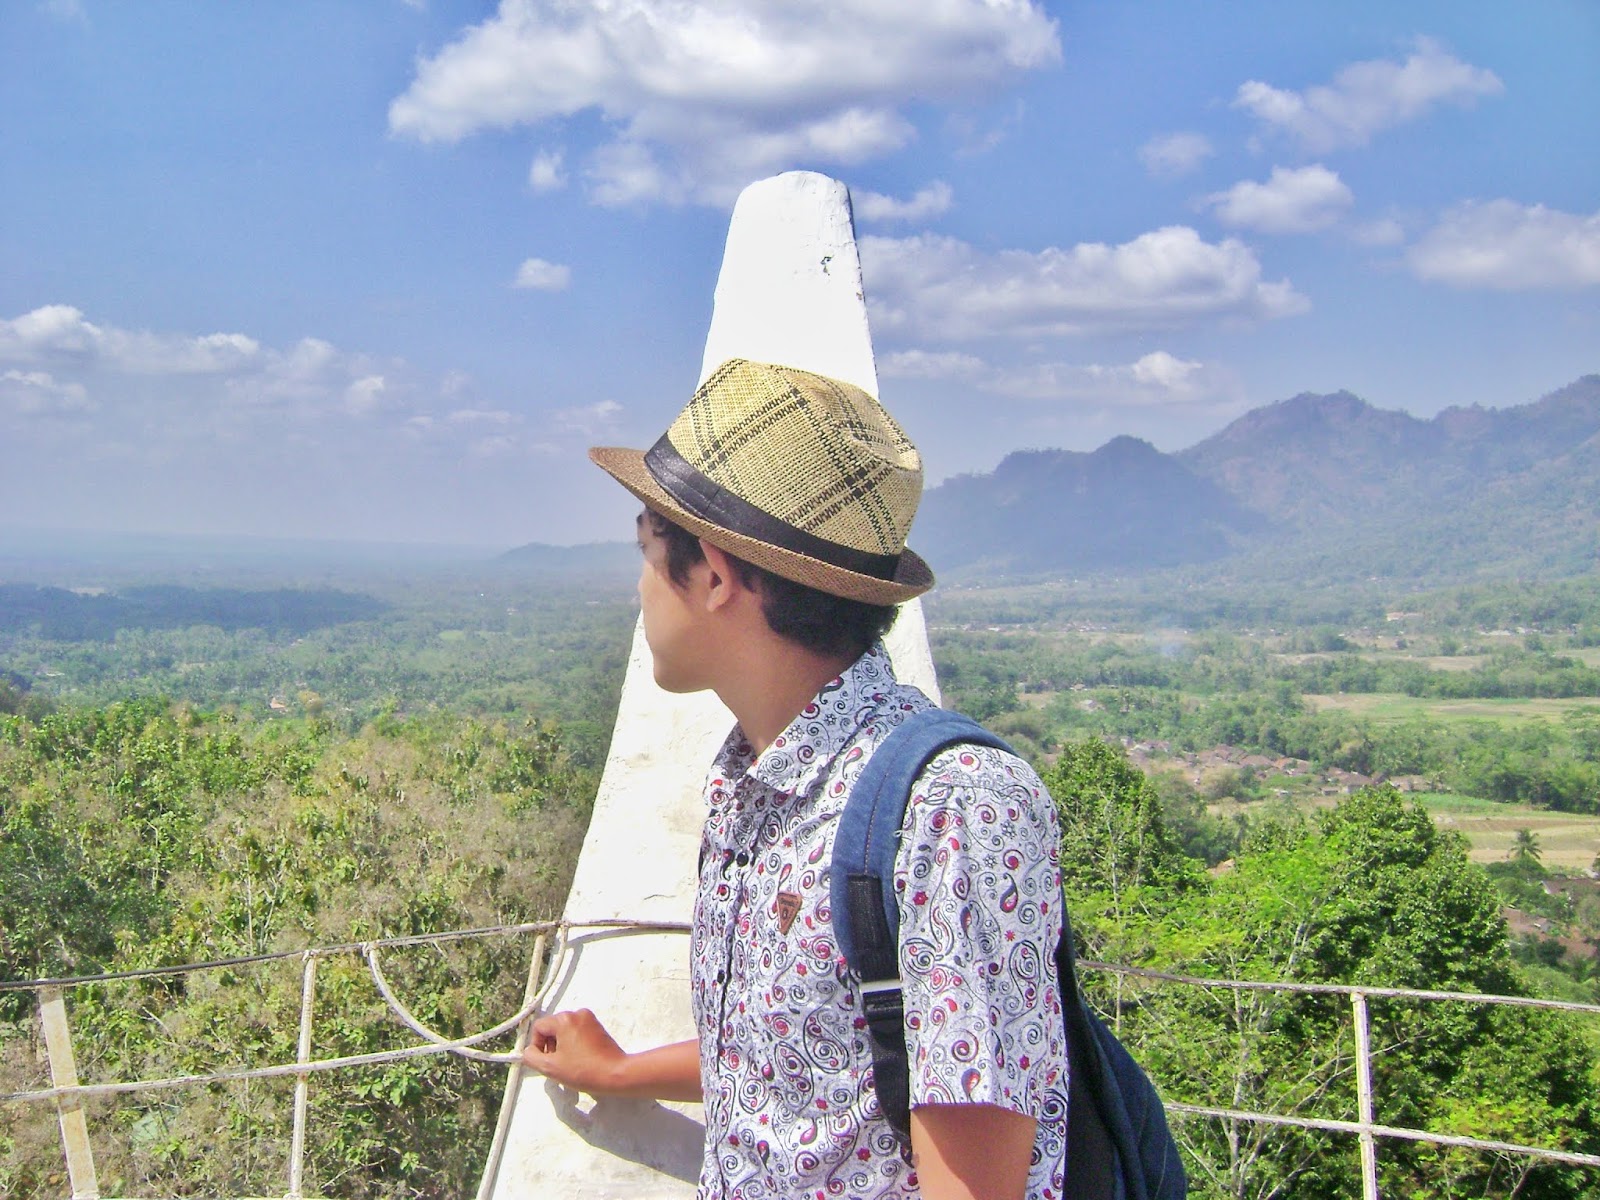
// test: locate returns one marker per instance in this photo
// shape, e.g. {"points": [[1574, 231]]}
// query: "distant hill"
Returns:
{"points": [[1125, 504], [1325, 484], [600, 560], [1336, 458], [1471, 490]]}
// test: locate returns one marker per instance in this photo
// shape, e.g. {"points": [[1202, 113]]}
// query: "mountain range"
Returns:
{"points": [[1326, 483], [1316, 487]]}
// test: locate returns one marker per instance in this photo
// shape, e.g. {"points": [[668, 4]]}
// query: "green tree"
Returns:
{"points": [[1525, 849], [1119, 865], [1370, 892]]}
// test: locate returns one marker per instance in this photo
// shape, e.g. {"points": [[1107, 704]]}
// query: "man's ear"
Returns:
{"points": [[723, 581]]}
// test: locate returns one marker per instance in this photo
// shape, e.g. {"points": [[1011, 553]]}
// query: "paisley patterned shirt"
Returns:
{"points": [[784, 1054]]}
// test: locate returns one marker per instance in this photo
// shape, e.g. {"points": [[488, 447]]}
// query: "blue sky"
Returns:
{"points": [[379, 270]]}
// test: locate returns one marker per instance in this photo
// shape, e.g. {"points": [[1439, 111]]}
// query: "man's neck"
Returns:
{"points": [[778, 680]]}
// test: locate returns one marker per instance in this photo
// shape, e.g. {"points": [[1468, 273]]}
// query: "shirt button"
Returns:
{"points": [[742, 858], [722, 976]]}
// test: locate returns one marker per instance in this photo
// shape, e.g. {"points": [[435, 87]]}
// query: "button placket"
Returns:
{"points": [[741, 828]]}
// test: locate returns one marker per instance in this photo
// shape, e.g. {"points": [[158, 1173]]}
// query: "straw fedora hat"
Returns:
{"points": [[806, 476]]}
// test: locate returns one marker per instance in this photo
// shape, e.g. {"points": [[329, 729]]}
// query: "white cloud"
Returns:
{"points": [[1162, 370], [455, 384], [929, 364], [1291, 201], [1175, 154], [1386, 231], [116, 427], [172, 373], [973, 135], [931, 201], [37, 393], [479, 416], [543, 276], [1504, 245], [1155, 380], [1158, 378], [497, 445], [365, 395], [592, 420], [722, 154], [310, 379], [704, 95], [59, 331], [547, 172], [1367, 97], [53, 330], [931, 287]]}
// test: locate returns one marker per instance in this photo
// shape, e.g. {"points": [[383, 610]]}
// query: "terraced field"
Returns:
{"points": [[1568, 841]]}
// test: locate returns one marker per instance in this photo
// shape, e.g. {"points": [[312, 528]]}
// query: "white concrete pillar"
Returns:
{"points": [[789, 292]]}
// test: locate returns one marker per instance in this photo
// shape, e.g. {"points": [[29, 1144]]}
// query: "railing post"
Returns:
{"points": [[302, 1084], [64, 1073], [491, 1170], [1369, 1143]]}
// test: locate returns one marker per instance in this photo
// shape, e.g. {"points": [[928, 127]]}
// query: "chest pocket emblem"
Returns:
{"points": [[788, 909]]}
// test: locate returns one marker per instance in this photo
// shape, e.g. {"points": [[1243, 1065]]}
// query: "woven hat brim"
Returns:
{"points": [[912, 576]]}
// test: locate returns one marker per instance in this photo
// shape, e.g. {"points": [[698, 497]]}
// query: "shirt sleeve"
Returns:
{"points": [[978, 882]]}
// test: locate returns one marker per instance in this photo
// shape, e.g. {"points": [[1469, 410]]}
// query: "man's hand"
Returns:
{"points": [[971, 1151], [575, 1050]]}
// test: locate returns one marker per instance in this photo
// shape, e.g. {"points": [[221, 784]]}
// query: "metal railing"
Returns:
{"points": [[67, 1094], [1366, 1128]]}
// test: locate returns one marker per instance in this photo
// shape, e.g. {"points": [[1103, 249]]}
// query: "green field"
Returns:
{"points": [[1567, 841], [1391, 706]]}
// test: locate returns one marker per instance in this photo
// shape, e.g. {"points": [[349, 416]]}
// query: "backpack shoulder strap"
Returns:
{"points": [[866, 915], [868, 837]]}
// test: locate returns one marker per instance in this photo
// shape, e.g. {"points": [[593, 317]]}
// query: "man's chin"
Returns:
{"points": [[676, 687]]}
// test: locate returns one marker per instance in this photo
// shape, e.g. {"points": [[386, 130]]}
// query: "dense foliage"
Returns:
{"points": [[145, 834], [1368, 893], [488, 649]]}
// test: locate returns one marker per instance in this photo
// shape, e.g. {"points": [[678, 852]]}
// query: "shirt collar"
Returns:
{"points": [[801, 754]]}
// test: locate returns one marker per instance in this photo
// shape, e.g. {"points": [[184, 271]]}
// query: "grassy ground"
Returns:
{"points": [[1566, 840], [1388, 706]]}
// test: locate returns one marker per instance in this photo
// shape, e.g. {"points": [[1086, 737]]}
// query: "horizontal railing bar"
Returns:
{"points": [[416, 939], [1390, 1131], [172, 1081], [1340, 989]]}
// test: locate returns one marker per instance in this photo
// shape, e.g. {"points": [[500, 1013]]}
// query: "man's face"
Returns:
{"points": [[674, 625]]}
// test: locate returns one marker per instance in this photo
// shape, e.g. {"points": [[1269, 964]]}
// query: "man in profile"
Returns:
{"points": [[773, 538]]}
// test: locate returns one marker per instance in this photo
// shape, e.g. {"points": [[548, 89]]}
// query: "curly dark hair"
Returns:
{"points": [[818, 621]]}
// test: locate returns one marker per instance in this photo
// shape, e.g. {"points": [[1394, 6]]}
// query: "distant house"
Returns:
{"points": [[1411, 783]]}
